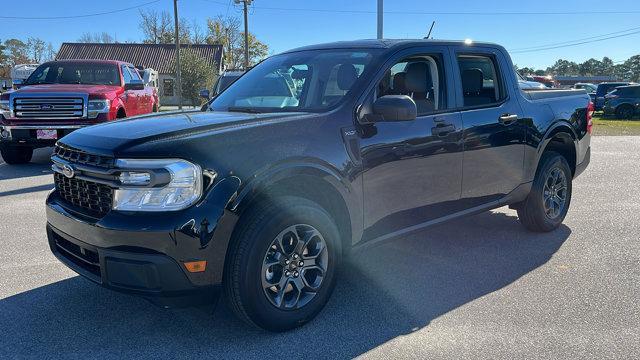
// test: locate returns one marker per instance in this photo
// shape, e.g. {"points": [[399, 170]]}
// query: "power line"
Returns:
{"points": [[572, 41], [77, 16], [481, 13], [575, 44]]}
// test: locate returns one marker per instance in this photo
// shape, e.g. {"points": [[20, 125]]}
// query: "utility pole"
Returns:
{"points": [[178, 75], [245, 5], [380, 18]]}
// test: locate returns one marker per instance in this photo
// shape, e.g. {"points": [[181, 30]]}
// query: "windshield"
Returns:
{"points": [[302, 81], [75, 73]]}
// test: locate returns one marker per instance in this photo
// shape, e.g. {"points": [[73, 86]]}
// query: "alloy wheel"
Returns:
{"points": [[294, 267], [555, 193]]}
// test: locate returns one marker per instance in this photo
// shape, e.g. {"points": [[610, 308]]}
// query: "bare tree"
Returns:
{"points": [[36, 48], [198, 36], [157, 27], [100, 38], [226, 32]]}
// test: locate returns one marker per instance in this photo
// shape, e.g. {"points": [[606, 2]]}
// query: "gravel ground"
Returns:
{"points": [[480, 287]]}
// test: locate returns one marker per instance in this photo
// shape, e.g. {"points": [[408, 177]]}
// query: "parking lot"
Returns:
{"points": [[480, 287]]}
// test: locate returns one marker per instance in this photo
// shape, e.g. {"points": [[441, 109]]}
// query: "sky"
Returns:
{"points": [[285, 24]]}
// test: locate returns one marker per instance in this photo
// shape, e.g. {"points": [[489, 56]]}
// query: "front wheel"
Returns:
{"points": [[15, 155], [282, 264], [547, 204]]}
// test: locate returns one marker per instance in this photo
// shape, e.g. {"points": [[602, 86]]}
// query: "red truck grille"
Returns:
{"points": [[49, 108]]}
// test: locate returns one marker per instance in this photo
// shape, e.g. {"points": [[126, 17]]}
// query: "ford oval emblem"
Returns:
{"points": [[68, 171], [46, 107]]}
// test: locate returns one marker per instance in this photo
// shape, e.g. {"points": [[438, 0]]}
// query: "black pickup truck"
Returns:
{"points": [[309, 156]]}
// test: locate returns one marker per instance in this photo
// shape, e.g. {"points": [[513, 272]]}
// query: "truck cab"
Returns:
{"points": [[62, 96]]}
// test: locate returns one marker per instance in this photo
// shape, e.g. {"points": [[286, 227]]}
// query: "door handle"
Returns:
{"points": [[507, 119], [442, 129]]}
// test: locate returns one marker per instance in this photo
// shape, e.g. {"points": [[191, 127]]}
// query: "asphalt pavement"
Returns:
{"points": [[480, 287]]}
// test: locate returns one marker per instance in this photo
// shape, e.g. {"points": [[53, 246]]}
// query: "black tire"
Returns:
{"points": [[534, 211], [15, 155], [244, 271], [624, 112]]}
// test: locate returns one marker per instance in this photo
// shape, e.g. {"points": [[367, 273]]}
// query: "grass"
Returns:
{"points": [[609, 127]]}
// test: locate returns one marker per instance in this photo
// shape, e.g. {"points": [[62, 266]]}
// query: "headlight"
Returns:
{"points": [[157, 185], [4, 108], [95, 107]]}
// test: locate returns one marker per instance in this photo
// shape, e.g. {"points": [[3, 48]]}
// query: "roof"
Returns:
{"points": [[160, 57], [389, 43]]}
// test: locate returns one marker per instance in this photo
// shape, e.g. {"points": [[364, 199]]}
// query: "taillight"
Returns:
{"points": [[590, 110]]}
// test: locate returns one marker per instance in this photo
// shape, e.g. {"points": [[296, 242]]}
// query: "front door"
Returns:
{"points": [[494, 129], [129, 97], [413, 169]]}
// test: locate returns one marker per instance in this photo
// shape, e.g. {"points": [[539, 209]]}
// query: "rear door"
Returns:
{"points": [[129, 97], [413, 169], [494, 127]]}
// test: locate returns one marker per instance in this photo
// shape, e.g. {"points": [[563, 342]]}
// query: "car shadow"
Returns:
{"points": [[383, 293], [40, 165]]}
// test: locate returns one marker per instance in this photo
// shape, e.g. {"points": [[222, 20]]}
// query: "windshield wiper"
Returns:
{"points": [[249, 110]]}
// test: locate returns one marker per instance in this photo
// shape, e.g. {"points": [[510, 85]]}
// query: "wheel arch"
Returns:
{"points": [[316, 182], [563, 139]]}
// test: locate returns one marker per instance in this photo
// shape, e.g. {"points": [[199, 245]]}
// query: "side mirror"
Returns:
{"points": [[204, 93], [393, 108], [134, 85]]}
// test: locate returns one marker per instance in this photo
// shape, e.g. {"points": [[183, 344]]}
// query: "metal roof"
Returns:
{"points": [[160, 57]]}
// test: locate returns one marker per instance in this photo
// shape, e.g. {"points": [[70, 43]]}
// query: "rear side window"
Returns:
{"points": [[481, 84]]}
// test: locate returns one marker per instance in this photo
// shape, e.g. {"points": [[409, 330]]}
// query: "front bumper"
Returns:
{"points": [[28, 135], [144, 253]]}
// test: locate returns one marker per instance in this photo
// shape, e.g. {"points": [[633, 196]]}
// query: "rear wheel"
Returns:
{"points": [[14, 155], [547, 204], [624, 112], [281, 269]]}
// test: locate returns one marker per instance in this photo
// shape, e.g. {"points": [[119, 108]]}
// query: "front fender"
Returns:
{"points": [[345, 187]]}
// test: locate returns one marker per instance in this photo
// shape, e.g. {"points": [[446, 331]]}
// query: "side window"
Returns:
{"points": [[419, 77], [481, 84], [126, 75], [167, 87], [134, 73]]}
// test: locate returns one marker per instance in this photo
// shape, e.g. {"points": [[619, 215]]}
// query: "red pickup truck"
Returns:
{"points": [[62, 96]]}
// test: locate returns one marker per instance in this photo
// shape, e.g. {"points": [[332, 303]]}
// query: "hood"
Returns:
{"points": [[111, 137], [71, 88]]}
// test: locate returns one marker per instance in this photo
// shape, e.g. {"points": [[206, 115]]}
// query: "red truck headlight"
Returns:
{"points": [[96, 107]]}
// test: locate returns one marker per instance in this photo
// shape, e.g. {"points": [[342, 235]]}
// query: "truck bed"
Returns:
{"points": [[540, 94]]}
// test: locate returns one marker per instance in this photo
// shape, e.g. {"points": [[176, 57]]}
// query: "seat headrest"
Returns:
{"points": [[472, 80], [399, 83], [347, 75], [418, 78], [70, 76]]}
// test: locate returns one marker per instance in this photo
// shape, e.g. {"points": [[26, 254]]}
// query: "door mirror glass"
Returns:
{"points": [[393, 108], [134, 85]]}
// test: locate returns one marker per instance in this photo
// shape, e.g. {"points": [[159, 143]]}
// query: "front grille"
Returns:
{"points": [[49, 108], [81, 157], [82, 257], [94, 197]]}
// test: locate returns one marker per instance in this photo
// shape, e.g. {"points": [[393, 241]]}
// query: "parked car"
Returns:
{"points": [[225, 80], [262, 194], [603, 89], [62, 96], [588, 87], [20, 73], [546, 80], [526, 84], [623, 102]]}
